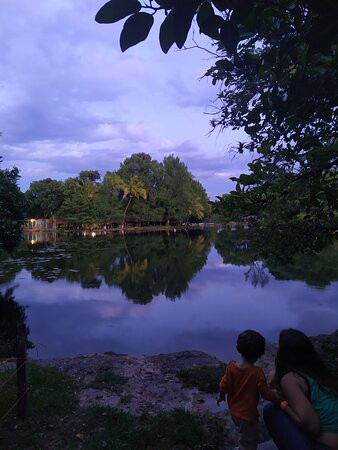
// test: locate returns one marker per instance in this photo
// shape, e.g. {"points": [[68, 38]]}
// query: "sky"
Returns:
{"points": [[71, 100]]}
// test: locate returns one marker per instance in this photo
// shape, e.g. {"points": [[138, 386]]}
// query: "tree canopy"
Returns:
{"points": [[12, 204], [12, 314], [44, 197], [276, 66], [141, 191]]}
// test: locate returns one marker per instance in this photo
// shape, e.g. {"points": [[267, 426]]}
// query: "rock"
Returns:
{"points": [[268, 445], [152, 386]]}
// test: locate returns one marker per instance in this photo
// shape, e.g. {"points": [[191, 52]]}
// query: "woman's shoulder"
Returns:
{"points": [[294, 379]]}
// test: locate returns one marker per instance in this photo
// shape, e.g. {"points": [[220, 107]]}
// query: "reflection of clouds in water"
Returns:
{"points": [[317, 320], [280, 304], [60, 330], [219, 304], [222, 340], [116, 310], [222, 265], [106, 302]]}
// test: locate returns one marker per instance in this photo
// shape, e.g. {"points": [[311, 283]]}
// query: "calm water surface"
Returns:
{"points": [[154, 293]]}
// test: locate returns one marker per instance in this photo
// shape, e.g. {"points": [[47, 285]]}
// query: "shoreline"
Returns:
{"points": [[156, 386], [137, 228], [161, 368]]}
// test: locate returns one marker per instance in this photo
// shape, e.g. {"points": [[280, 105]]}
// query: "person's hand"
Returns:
{"points": [[221, 398], [279, 395]]}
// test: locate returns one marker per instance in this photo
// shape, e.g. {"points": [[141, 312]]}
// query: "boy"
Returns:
{"points": [[244, 383]]}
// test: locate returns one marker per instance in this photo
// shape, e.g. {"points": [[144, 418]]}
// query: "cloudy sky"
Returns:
{"points": [[70, 100]]}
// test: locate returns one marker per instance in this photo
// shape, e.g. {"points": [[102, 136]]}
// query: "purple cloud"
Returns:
{"points": [[72, 101]]}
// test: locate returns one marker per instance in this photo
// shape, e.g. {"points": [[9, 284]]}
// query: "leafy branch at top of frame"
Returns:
{"points": [[213, 18]]}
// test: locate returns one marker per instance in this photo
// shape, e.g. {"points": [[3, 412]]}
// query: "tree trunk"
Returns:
{"points": [[125, 211]]}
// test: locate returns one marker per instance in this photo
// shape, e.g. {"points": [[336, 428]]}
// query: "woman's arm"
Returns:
{"points": [[300, 408]]}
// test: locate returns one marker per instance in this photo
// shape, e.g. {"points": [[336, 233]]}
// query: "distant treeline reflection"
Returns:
{"points": [[144, 266]]}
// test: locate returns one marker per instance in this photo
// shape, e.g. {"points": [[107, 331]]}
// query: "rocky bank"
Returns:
{"points": [[150, 384]]}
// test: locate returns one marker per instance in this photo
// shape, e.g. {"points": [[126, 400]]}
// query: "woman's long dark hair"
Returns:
{"points": [[297, 353]]}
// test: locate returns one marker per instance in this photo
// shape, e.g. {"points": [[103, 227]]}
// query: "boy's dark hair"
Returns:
{"points": [[251, 345]]}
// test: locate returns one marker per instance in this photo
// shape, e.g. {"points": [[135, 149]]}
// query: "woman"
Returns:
{"points": [[308, 418]]}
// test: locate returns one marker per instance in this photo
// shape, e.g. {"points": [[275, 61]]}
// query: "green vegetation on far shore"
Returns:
{"points": [[142, 191]]}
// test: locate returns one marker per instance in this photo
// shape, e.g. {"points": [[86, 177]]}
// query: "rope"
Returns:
{"points": [[12, 376], [14, 405]]}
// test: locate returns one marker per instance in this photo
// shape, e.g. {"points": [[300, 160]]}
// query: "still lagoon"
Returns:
{"points": [[165, 292]]}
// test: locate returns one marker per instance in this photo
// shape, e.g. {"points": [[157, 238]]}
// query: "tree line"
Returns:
{"points": [[142, 191]]}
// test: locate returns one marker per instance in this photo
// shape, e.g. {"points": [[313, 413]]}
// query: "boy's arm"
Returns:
{"points": [[272, 381], [223, 386], [224, 383], [221, 398], [265, 391]]}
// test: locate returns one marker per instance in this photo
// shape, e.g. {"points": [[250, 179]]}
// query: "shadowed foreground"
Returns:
{"points": [[117, 401]]}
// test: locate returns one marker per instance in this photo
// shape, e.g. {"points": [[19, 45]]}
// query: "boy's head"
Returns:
{"points": [[251, 345]]}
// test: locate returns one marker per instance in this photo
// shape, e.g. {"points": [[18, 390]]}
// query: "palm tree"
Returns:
{"points": [[134, 188], [196, 208], [87, 190]]}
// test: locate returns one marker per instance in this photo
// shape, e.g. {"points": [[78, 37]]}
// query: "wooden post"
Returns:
{"points": [[21, 372]]}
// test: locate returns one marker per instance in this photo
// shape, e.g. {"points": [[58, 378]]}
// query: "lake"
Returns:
{"points": [[165, 292]]}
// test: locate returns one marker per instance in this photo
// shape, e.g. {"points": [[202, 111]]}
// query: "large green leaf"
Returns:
{"points": [[167, 36], [204, 12], [183, 15], [135, 29], [208, 22], [115, 10], [211, 26], [229, 36]]}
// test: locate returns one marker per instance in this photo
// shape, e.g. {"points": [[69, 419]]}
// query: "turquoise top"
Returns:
{"points": [[324, 403]]}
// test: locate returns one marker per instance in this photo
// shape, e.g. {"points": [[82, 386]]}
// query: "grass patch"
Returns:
{"points": [[106, 379], [178, 429], [205, 378], [57, 422], [51, 397], [51, 390], [125, 399]]}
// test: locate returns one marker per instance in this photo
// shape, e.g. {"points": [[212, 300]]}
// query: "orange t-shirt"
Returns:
{"points": [[243, 387]]}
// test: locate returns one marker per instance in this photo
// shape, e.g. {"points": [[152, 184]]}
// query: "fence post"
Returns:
{"points": [[21, 371]]}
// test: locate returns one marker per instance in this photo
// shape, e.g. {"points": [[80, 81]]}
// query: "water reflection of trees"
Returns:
{"points": [[318, 269], [146, 265], [142, 266], [236, 249]]}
